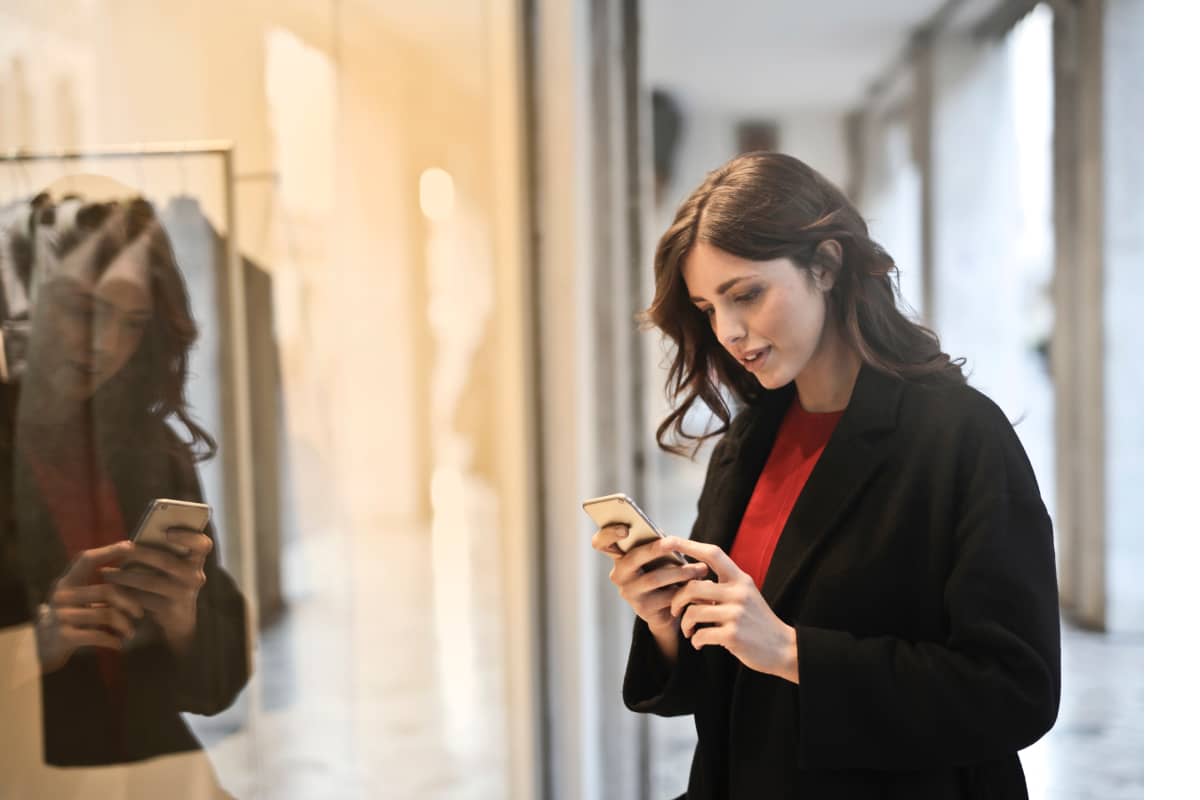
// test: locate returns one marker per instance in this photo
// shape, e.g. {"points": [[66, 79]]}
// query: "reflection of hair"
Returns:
{"points": [[763, 206], [148, 390]]}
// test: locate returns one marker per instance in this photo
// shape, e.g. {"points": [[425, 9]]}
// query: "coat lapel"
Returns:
{"points": [[741, 462], [855, 452]]}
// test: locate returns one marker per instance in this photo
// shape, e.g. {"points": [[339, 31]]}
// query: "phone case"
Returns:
{"points": [[163, 514], [620, 509]]}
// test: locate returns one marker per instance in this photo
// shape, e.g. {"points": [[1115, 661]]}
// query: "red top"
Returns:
{"points": [[83, 505], [81, 498], [799, 443]]}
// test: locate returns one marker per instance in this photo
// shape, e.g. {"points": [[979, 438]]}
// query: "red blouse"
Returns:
{"points": [[80, 496], [84, 507], [799, 443]]}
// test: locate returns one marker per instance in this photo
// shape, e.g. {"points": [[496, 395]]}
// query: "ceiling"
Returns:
{"points": [[773, 56]]}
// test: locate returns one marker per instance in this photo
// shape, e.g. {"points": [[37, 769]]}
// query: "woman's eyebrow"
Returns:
{"points": [[724, 287]]}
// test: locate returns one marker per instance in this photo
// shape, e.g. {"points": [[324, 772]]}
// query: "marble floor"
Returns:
{"points": [[369, 687], [363, 689]]}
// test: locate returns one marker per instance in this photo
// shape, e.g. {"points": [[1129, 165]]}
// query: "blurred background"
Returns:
{"points": [[416, 236]]}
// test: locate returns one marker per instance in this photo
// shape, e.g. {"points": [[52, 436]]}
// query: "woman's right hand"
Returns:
{"points": [[648, 593], [83, 613]]}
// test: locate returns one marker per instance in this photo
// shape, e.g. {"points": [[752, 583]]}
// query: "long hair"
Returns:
{"points": [[133, 407], [763, 206]]}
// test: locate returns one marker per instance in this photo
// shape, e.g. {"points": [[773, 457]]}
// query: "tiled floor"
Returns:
{"points": [[1094, 751], [363, 690]]}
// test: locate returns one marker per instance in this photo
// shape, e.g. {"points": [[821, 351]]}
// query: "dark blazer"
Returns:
{"points": [[918, 570], [80, 727]]}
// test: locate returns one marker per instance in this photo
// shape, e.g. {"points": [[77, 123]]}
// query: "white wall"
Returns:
{"points": [[987, 285], [891, 202], [1123, 319]]}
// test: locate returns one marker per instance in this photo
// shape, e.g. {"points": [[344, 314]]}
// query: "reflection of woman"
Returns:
{"points": [[883, 620], [88, 439]]}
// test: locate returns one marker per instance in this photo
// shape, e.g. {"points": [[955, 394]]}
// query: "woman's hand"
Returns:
{"points": [[737, 616], [82, 613], [168, 590], [649, 593]]}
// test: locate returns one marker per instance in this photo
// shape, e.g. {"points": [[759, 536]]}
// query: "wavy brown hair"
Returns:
{"points": [[133, 407], [763, 206]]}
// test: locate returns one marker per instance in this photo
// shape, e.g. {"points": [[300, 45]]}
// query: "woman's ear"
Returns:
{"points": [[827, 262]]}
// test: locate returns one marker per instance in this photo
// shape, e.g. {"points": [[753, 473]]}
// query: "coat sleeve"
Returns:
{"points": [[651, 684], [992, 687], [216, 667], [207, 679]]}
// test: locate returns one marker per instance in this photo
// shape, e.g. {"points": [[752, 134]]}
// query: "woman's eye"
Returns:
{"points": [[748, 297]]}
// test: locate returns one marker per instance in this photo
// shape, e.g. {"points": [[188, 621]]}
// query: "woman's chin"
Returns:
{"points": [[769, 381]]}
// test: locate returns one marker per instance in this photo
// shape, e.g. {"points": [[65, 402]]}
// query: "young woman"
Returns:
{"points": [[88, 437], [880, 617]]}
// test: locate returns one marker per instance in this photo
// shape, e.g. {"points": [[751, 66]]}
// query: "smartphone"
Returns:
{"points": [[163, 514], [619, 509]]}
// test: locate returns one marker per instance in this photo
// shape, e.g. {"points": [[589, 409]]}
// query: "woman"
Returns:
{"points": [[882, 614], [87, 439]]}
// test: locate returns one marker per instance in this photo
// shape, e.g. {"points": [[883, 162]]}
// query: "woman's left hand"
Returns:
{"points": [[168, 591], [738, 616]]}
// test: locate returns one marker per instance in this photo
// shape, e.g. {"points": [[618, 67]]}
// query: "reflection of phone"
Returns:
{"points": [[619, 509], [163, 514]]}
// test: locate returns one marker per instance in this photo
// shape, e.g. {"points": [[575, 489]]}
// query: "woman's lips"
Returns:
{"points": [[754, 359]]}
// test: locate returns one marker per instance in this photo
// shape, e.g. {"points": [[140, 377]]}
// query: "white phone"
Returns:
{"points": [[619, 509], [163, 514]]}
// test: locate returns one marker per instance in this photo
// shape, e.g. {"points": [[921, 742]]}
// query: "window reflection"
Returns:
{"points": [[115, 638]]}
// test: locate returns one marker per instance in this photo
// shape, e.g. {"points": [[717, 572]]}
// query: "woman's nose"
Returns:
{"points": [[730, 329], [105, 335]]}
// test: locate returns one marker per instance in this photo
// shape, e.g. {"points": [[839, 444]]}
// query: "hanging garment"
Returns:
{"points": [[201, 253]]}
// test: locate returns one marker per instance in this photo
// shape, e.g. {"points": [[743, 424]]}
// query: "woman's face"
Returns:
{"points": [[88, 326], [769, 315]]}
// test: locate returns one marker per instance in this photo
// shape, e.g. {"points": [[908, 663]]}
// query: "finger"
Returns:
{"points": [[705, 592], [91, 637], [701, 613], [144, 581], [629, 566], [653, 605], [177, 567], [104, 593], [641, 557], [710, 554], [86, 563], [605, 539], [97, 617], [661, 578], [198, 544], [717, 635], [155, 604]]}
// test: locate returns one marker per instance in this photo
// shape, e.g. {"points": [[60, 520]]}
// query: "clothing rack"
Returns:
{"points": [[236, 369]]}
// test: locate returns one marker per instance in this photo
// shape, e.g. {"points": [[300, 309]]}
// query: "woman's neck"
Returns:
{"points": [[828, 381]]}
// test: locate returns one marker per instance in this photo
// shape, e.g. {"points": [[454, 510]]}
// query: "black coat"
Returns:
{"points": [[77, 718], [918, 570]]}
